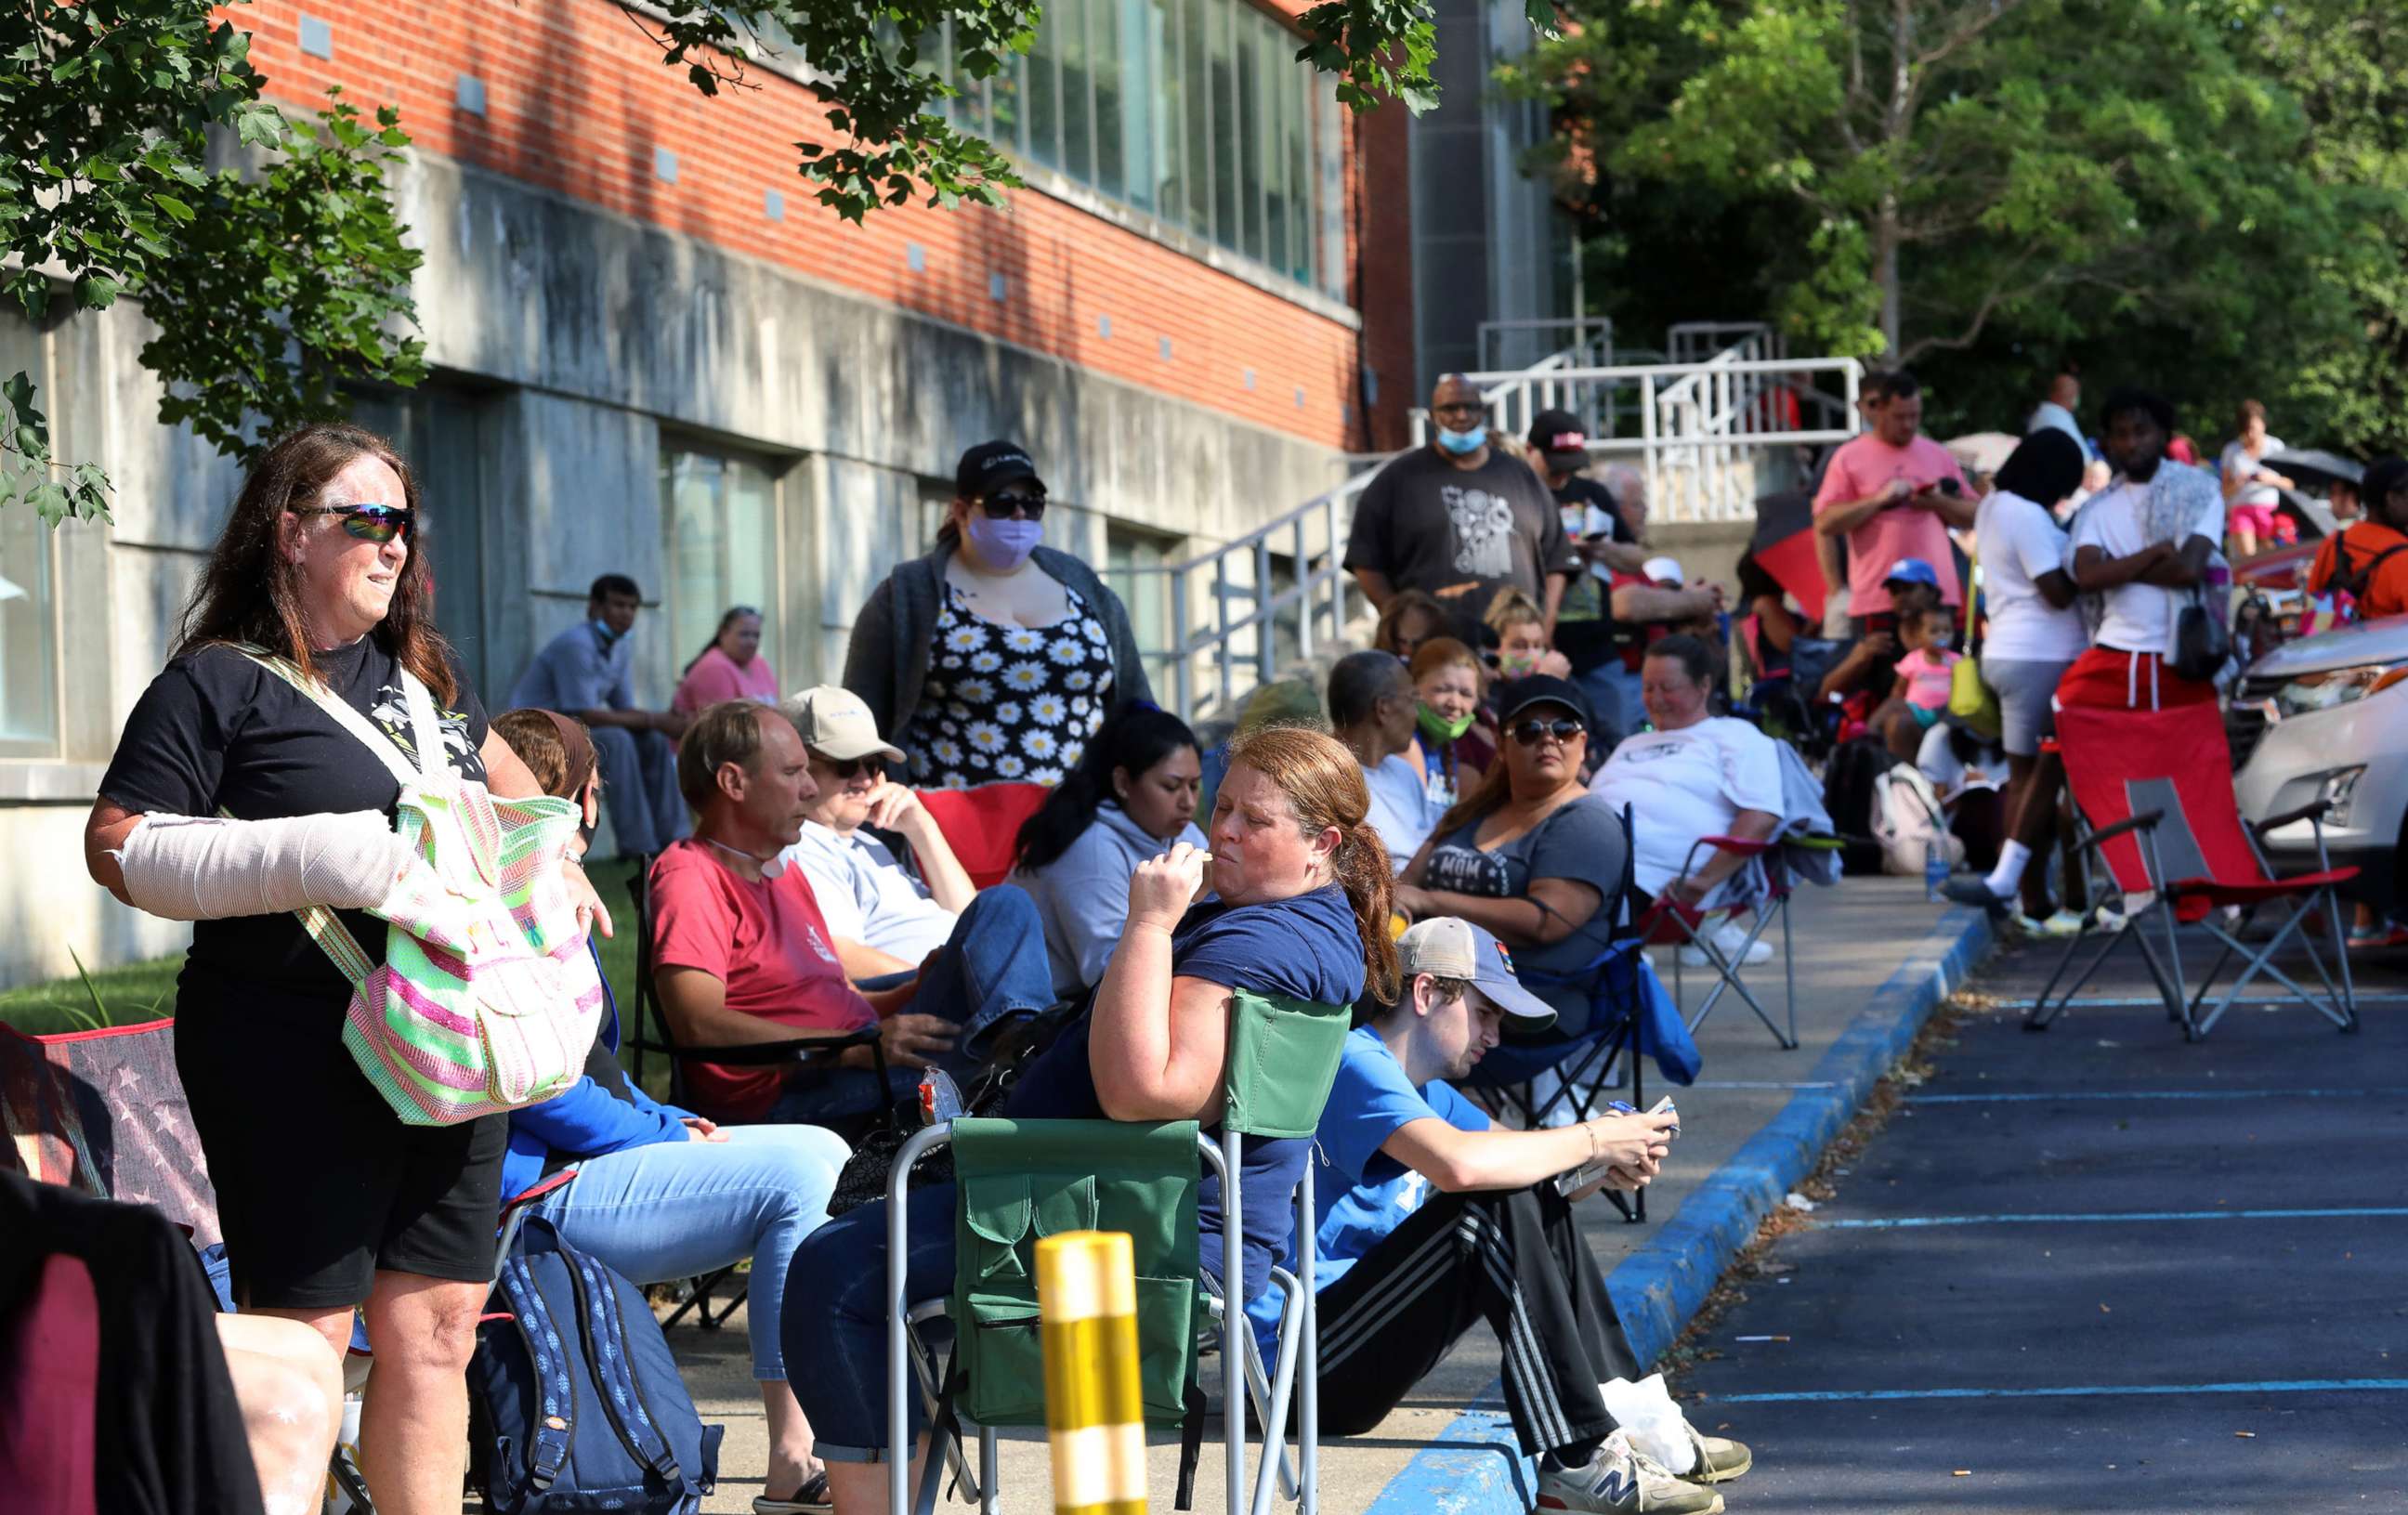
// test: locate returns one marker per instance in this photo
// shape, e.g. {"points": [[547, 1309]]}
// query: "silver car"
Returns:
{"points": [[2326, 718]]}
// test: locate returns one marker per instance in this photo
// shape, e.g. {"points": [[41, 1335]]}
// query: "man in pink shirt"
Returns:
{"points": [[1892, 493]]}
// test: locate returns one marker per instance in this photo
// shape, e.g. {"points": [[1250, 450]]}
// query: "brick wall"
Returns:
{"points": [[577, 102]]}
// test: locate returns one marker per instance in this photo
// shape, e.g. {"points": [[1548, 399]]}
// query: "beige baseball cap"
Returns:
{"points": [[834, 723], [1449, 946]]}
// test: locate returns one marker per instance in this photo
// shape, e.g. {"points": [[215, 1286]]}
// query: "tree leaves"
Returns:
{"points": [[267, 285]]}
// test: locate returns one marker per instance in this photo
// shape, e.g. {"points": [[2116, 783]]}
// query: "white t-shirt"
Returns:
{"points": [[2237, 464], [1951, 776], [2140, 617], [2016, 541], [866, 896], [1680, 785], [1400, 811]]}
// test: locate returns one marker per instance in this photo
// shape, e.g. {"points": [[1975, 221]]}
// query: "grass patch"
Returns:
{"points": [[134, 993]]}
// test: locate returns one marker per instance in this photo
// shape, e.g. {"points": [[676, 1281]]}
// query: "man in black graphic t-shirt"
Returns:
{"points": [[1459, 519]]}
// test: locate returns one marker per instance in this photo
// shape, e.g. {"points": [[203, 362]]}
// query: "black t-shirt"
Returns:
{"points": [[1424, 523], [214, 730], [1584, 630]]}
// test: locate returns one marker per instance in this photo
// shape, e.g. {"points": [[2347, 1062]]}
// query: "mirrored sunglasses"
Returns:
{"points": [[1529, 732], [368, 523]]}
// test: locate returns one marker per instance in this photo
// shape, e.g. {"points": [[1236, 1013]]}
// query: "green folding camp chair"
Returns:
{"points": [[1022, 1180]]}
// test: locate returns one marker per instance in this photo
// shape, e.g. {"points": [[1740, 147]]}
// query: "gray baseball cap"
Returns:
{"points": [[1452, 948]]}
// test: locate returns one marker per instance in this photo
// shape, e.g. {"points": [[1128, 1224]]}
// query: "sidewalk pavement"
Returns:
{"points": [[1872, 958]]}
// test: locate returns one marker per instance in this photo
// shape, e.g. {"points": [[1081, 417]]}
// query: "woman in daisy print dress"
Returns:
{"points": [[994, 658]]}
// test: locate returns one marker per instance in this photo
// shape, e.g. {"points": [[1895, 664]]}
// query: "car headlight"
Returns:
{"points": [[2336, 686]]}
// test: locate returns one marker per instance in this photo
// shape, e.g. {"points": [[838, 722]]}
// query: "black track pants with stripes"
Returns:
{"points": [[1515, 1260]]}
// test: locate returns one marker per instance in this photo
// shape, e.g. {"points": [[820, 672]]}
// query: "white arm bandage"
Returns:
{"points": [[195, 869]]}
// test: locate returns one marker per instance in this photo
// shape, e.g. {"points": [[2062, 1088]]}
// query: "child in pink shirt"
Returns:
{"points": [[1927, 670]]}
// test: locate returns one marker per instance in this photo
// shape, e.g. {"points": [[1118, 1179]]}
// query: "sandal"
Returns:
{"points": [[810, 1500]]}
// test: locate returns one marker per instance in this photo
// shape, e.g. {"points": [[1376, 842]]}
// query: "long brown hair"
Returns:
{"points": [[251, 591], [1495, 788], [1325, 784]]}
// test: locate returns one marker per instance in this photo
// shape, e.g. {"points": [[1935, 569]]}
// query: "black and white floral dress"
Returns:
{"points": [[1009, 703]]}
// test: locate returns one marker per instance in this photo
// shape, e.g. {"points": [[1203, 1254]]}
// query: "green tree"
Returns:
{"points": [[270, 280], [1972, 175]]}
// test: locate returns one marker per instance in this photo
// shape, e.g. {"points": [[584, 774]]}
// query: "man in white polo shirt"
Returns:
{"points": [[884, 920]]}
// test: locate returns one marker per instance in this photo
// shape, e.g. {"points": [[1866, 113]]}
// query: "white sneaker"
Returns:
{"points": [[1729, 935], [1620, 1481]]}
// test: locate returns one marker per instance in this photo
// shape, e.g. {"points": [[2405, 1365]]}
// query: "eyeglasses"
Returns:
{"points": [[368, 523], [1000, 507], [1533, 731], [848, 769]]}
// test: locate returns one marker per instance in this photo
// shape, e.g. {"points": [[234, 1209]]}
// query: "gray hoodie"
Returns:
{"points": [[1083, 895]]}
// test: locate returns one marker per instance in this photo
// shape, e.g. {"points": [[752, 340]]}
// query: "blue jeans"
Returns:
{"points": [[992, 969], [836, 1318], [676, 1209]]}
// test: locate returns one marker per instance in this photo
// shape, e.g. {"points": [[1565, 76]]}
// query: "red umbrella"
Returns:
{"points": [[1783, 547]]}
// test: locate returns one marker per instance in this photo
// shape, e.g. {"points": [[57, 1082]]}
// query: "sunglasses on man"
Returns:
{"points": [[848, 769], [1000, 506], [368, 523], [1533, 731]]}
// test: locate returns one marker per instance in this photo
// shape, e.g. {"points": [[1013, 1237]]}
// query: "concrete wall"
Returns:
{"points": [[585, 342]]}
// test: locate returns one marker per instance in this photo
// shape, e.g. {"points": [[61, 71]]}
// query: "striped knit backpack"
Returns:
{"points": [[487, 998]]}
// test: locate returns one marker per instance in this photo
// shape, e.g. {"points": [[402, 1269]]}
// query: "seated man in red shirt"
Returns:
{"points": [[738, 940]]}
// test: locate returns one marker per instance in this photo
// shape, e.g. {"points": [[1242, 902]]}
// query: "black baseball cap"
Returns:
{"points": [[1558, 434], [1517, 696], [990, 465]]}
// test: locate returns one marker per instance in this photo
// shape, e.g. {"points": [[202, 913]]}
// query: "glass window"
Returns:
{"points": [[1197, 111], [721, 515], [1129, 553], [1108, 45], [445, 434], [1045, 92], [29, 691], [1195, 82], [1078, 82], [1228, 215]]}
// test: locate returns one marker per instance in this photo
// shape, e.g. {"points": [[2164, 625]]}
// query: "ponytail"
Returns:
{"points": [[1135, 738], [1361, 863]]}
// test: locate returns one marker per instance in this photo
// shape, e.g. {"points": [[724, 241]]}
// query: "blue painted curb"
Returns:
{"points": [[1474, 1467]]}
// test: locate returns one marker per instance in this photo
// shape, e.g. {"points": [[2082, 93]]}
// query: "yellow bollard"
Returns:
{"points": [[1095, 1412]]}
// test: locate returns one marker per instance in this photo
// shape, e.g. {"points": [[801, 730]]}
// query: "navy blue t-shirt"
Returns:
{"points": [[1304, 948]]}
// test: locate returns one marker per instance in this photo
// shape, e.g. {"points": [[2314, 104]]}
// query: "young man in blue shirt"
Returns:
{"points": [[1434, 1219]]}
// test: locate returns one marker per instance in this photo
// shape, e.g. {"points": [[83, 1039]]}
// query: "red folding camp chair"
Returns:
{"points": [[1762, 884], [2154, 792], [982, 824]]}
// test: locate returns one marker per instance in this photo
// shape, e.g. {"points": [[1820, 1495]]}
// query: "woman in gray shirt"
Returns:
{"points": [[1130, 798], [1530, 854]]}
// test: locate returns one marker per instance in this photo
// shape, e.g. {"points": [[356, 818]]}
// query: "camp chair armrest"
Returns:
{"points": [[2313, 810], [2143, 822], [767, 1054]]}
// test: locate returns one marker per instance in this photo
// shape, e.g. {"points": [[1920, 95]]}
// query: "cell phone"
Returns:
{"points": [[1589, 1173]]}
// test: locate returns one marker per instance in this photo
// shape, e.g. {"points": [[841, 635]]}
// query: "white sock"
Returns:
{"points": [[2004, 879]]}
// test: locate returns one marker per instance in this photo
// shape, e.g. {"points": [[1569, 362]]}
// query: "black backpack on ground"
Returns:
{"points": [[1848, 794]]}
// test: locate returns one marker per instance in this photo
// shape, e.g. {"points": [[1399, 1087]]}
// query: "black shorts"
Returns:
{"points": [[318, 1184]]}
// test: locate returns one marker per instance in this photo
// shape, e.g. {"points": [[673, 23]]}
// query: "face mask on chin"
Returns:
{"points": [[1438, 728], [1003, 545], [1462, 444]]}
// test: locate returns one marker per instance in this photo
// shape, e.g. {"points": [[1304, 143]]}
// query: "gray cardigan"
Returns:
{"points": [[895, 634]]}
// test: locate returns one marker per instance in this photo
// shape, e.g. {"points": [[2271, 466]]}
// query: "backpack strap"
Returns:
{"points": [[2356, 581], [426, 734], [385, 749], [556, 1421], [610, 1364]]}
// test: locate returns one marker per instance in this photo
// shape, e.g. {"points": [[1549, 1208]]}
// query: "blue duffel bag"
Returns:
{"points": [[577, 1403]]}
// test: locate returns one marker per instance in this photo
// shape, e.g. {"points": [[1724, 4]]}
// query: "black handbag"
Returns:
{"points": [[2202, 645]]}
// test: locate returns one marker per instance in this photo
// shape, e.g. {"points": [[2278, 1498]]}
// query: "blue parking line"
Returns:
{"points": [[2088, 1390], [2112, 1218], [2028, 1097]]}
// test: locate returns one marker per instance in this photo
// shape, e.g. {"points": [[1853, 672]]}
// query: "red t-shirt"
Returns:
{"points": [[768, 943]]}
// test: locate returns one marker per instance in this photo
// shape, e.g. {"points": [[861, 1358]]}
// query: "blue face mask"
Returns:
{"points": [[1462, 443], [603, 630]]}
